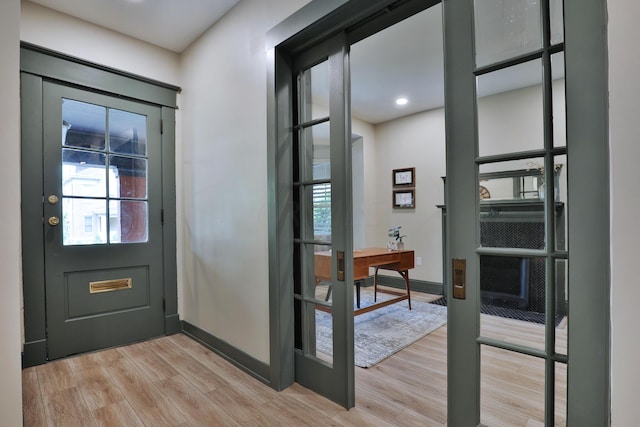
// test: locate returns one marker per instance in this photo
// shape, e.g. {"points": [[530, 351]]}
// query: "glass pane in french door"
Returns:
{"points": [[510, 109], [314, 85], [506, 29], [559, 102], [512, 388]]}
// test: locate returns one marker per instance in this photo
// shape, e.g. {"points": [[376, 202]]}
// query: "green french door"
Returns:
{"points": [[102, 220], [322, 223], [526, 233]]}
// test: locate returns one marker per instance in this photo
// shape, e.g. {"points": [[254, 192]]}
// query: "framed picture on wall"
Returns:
{"points": [[404, 177], [404, 199]]}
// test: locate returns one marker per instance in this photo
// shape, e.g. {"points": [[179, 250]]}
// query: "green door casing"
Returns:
{"points": [[103, 230], [575, 271], [98, 206]]}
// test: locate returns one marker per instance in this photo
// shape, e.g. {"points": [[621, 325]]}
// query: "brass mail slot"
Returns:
{"points": [[110, 285]]}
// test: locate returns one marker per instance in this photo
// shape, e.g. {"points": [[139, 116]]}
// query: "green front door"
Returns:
{"points": [[102, 220]]}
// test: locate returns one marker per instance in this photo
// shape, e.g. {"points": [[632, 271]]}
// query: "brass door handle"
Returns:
{"points": [[54, 220], [341, 266], [460, 278]]}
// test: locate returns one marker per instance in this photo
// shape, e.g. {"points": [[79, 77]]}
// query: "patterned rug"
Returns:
{"points": [[380, 333]]}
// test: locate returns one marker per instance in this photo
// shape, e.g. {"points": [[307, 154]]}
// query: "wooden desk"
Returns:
{"points": [[400, 261]]}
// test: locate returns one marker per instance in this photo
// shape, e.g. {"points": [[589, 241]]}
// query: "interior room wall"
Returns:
{"points": [[414, 141], [511, 121], [10, 300], [624, 111], [224, 238], [365, 214]]}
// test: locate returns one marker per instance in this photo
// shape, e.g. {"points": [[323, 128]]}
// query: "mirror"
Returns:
{"points": [[510, 185]]}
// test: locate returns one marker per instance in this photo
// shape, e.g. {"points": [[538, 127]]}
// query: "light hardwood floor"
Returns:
{"points": [[175, 381]]}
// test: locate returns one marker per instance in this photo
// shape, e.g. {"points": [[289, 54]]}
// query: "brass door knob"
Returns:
{"points": [[54, 220]]}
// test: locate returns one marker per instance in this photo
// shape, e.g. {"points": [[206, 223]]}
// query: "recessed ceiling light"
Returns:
{"points": [[402, 101]]}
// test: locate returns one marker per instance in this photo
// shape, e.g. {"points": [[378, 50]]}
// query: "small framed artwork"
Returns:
{"points": [[404, 177], [404, 199]]}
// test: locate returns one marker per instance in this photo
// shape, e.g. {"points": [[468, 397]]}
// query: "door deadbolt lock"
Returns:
{"points": [[52, 199], [54, 220]]}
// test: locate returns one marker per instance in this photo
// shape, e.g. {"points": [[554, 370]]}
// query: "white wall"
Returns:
{"points": [[413, 141], [419, 141], [624, 92], [10, 363], [63, 33], [223, 195], [365, 215]]}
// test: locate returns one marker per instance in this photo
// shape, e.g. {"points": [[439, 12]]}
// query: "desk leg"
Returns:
{"points": [[375, 285], [358, 293], [405, 276]]}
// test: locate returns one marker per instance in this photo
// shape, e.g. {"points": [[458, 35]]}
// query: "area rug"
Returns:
{"points": [[380, 333]]}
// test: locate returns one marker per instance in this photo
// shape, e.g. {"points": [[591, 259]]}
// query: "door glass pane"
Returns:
{"points": [[127, 132], [505, 29], [91, 215], [322, 212], [128, 178], [315, 152], [318, 297], [513, 294], [128, 221], [323, 324], [559, 104], [557, 21], [84, 221], [315, 89], [511, 388], [83, 173], [560, 394], [83, 125], [560, 200], [562, 306], [510, 109], [511, 212]]}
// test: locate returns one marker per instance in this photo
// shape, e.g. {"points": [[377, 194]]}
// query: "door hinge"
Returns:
{"points": [[161, 127], [164, 305], [162, 216]]}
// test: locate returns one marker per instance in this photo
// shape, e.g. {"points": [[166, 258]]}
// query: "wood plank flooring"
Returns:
{"points": [[175, 381]]}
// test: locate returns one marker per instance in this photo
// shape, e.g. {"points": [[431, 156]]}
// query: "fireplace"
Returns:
{"points": [[504, 281], [517, 282]]}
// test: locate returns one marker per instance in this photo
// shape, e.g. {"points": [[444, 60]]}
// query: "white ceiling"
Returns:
{"points": [[171, 24], [403, 60]]}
